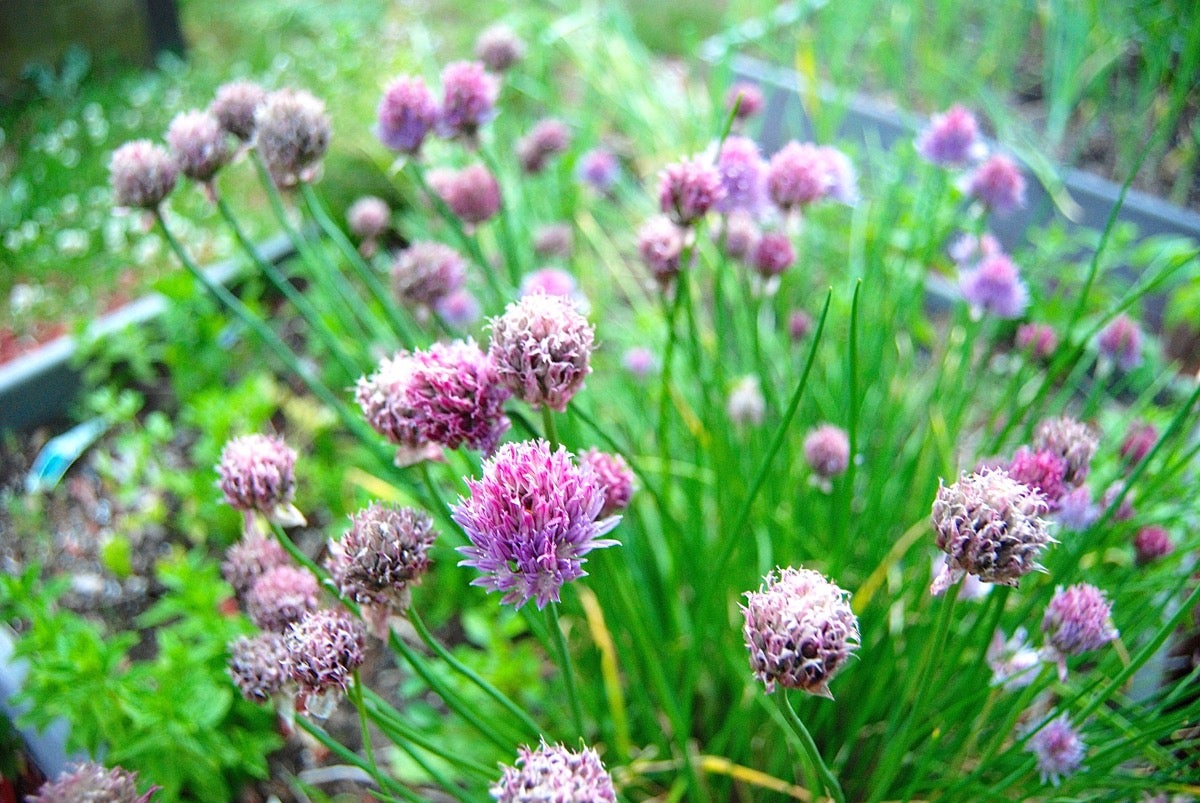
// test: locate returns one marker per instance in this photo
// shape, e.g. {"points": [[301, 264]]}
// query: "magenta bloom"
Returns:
{"points": [[1078, 620], [952, 138], [531, 520], [473, 194], [293, 134], [407, 113], [744, 99], [995, 286], [598, 168], [800, 630], [798, 175], [1139, 440], [457, 396], [236, 105], [88, 782], [1059, 750], [998, 185], [541, 347], [257, 472], [1038, 339], [827, 450], [426, 272], [468, 99], [280, 596], [773, 254], [385, 402], [198, 144], [743, 175], [256, 666], [499, 48], [142, 174], [460, 309], [548, 138], [800, 323], [688, 189], [1043, 471], [555, 775], [1152, 543], [551, 281], [323, 650], [615, 476], [660, 245], [1121, 342]]}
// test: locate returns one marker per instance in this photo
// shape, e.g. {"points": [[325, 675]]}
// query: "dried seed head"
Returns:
{"points": [[323, 650], [1071, 440], [91, 783], [257, 472], [236, 106], [142, 174], [426, 272], [385, 552], [256, 665], [541, 347], [198, 144], [555, 775], [281, 596], [292, 136]]}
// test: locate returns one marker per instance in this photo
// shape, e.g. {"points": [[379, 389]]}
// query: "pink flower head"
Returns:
{"points": [[407, 113], [1059, 750], [1042, 471], [1139, 440], [989, 525], [554, 240], [951, 139], [998, 185], [1071, 440], [639, 361], [554, 282], [1014, 663], [459, 308], [800, 323], [89, 782], [1076, 511], [531, 519], [198, 144], [1121, 342], [827, 450], [744, 99], [250, 558], [1152, 543], [555, 775], [798, 175], [548, 138], [388, 407], [599, 169], [426, 272], [257, 472], [1038, 339], [368, 217], [614, 475], [746, 406], [256, 666], [142, 174], [773, 254], [323, 650], [1077, 620], [688, 189], [499, 48], [740, 236], [800, 630], [293, 134], [457, 397], [235, 106], [660, 245], [473, 194], [843, 178], [280, 596], [743, 176], [468, 99], [967, 249], [541, 347], [995, 286]]}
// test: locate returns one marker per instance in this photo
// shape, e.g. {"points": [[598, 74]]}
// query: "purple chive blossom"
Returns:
{"points": [[499, 48], [257, 472], [468, 99], [292, 136], [743, 176], [541, 347], [531, 519], [739, 236], [744, 99], [426, 272], [407, 113], [383, 397], [249, 559], [968, 249], [1014, 663], [1152, 543], [1037, 339], [555, 775], [555, 240], [1059, 750], [746, 406], [989, 525], [198, 145], [142, 174], [1076, 511], [800, 323], [236, 105], [797, 176], [972, 587], [773, 254], [368, 217], [615, 476], [660, 245], [1121, 342], [281, 596], [843, 179], [951, 139], [998, 185], [1077, 620], [459, 309], [473, 194], [458, 397], [323, 650], [688, 189], [256, 666], [91, 783], [1042, 471], [547, 139], [1139, 440], [1071, 440], [800, 630], [639, 361], [554, 282], [599, 169], [827, 451], [1124, 511], [995, 287]]}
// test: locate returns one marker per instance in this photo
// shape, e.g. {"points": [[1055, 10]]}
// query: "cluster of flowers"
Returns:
{"points": [[88, 782]]}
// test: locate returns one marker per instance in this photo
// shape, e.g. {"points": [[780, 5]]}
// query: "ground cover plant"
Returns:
{"points": [[689, 430]]}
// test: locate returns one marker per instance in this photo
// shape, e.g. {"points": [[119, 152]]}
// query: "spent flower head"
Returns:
{"points": [[541, 347], [256, 666], [531, 519], [250, 558], [426, 272], [257, 472], [799, 630], [142, 174], [92, 783], [198, 144], [323, 651], [458, 397], [746, 405], [236, 105], [281, 596], [1073, 441], [554, 774], [368, 217], [407, 113], [293, 133], [385, 401]]}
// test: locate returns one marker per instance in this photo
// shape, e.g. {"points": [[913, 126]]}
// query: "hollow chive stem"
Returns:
{"points": [[565, 666]]}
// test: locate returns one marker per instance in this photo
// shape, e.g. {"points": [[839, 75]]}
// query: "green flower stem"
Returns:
{"points": [[352, 758], [842, 522], [356, 697], [304, 560], [440, 508], [298, 299], [366, 273], [549, 428], [508, 241], [388, 720], [825, 780], [664, 396], [470, 674], [439, 778], [565, 667]]}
